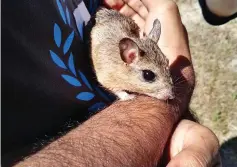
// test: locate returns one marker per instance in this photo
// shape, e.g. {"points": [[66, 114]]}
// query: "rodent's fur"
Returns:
{"points": [[118, 76]]}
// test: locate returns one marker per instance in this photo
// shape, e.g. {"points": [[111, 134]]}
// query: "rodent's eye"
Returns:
{"points": [[148, 75]]}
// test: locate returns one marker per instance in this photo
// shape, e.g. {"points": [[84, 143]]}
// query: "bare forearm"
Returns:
{"points": [[131, 133]]}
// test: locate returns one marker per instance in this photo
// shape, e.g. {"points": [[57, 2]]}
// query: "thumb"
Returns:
{"points": [[193, 145], [193, 157]]}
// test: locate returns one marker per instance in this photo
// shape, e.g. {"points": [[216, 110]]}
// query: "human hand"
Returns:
{"points": [[193, 145]]}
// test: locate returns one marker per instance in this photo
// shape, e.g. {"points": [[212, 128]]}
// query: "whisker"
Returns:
{"points": [[178, 100], [177, 93], [178, 79], [180, 82], [179, 87]]}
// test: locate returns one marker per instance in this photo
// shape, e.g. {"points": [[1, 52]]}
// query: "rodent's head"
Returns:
{"points": [[147, 67]]}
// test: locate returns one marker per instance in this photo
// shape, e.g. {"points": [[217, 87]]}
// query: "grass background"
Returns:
{"points": [[214, 54]]}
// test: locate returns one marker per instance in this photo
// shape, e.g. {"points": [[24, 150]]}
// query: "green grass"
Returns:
{"points": [[235, 96]]}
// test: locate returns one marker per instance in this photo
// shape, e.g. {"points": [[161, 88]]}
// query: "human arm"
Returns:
{"points": [[193, 145], [124, 134]]}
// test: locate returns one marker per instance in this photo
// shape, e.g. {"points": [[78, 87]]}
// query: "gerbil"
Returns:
{"points": [[126, 64]]}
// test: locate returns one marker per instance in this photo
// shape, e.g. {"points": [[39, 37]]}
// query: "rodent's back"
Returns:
{"points": [[111, 26]]}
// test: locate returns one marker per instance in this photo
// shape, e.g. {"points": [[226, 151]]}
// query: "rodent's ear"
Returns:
{"points": [[155, 31], [128, 50]]}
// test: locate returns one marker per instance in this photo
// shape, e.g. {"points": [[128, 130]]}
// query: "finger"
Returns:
{"points": [[195, 158], [140, 22], [190, 133], [128, 11], [114, 4], [148, 4], [191, 157], [138, 7], [193, 145]]}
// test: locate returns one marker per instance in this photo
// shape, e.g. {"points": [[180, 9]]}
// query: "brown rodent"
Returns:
{"points": [[126, 64]]}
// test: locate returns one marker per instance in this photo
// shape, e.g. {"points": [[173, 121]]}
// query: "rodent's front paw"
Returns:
{"points": [[123, 96]]}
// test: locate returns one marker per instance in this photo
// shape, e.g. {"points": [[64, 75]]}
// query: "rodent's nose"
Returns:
{"points": [[169, 96]]}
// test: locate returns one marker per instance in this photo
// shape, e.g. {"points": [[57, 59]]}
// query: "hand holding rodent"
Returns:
{"points": [[124, 63]]}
